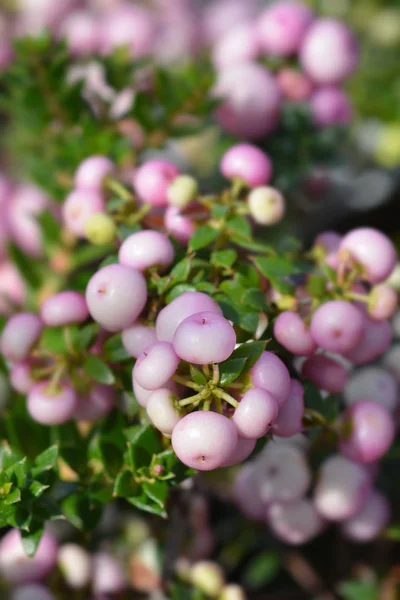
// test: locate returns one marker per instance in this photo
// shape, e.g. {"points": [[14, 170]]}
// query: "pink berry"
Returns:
{"points": [[116, 295], [32, 591], [204, 440], [92, 172], [247, 163], [325, 372], [20, 334], [330, 243], [293, 334], [239, 44], [295, 523], [342, 488], [64, 308], [96, 404], [189, 303], [152, 179], [255, 413], [373, 250], [251, 100], [82, 33], [142, 395], [221, 16], [329, 52], [282, 27], [294, 85], [155, 365], [372, 382], [247, 493], [17, 568], [289, 419], [270, 373], [131, 26], [137, 337], [161, 410], [384, 302], [12, 288], [52, 407], [370, 521], [243, 449], [179, 225], [204, 338], [391, 361], [21, 377], [107, 574], [146, 249], [374, 341], [331, 106], [368, 431], [27, 203], [79, 205], [337, 326]]}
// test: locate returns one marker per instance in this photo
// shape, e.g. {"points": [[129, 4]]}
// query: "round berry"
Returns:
{"points": [[12, 288], [295, 523], [15, 565], [138, 337], [337, 326], [294, 85], [92, 173], [247, 163], [64, 308], [107, 574], [180, 226], [32, 591], [370, 521], [233, 591], [96, 404], [152, 180], [116, 295], [243, 449], [146, 249], [155, 365], [204, 440], [52, 407], [208, 577], [372, 382], [19, 335], [79, 206], [384, 302], [182, 191], [373, 250], [282, 27], [289, 419], [293, 334], [255, 413], [75, 564], [189, 303], [204, 338], [375, 340], [246, 491], [267, 205], [21, 377], [130, 26], [239, 44], [161, 410], [368, 431], [271, 374], [329, 241], [330, 106], [325, 372], [100, 229], [27, 203], [391, 361], [82, 33]]}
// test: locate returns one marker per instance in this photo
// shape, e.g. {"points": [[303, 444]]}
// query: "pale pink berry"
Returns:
{"points": [[243, 449], [75, 564], [96, 404], [156, 365], [368, 431], [12, 288], [372, 383], [271, 374], [370, 521], [179, 225], [337, 326], [282, 27], [204, 440], [64, 308], [27, 203], [375, 340], [384, 302], [330, 243], [116, 295], [267, 205], [161, 410], [239, 44], [130, 26], [294, 85], [82, 33], [247, 492], [137, 337], [250, 100], [204, 338], [142, 395], [189, 303], [255, 413], [295, 523], [391, 361], [79, 205], [342, 488], [373, 250], [92, 173], [17, 568], [293, 334], [52, 407], [21, 377], [247, 163], [146, 249], [108, 576], [19, 335], [325, 372], [221, 16], [152, 180], [289, 419], [330, 106], [32, 591], [329, 53]]}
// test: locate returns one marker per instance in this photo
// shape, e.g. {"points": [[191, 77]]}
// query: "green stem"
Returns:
{"points": [[224, 396], [215, 372], [58, 373], [120, 190], [195, 400], [186, 382], [206, 371]]}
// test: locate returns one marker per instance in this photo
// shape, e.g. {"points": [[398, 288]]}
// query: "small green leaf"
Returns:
{"points": [[261, 570], [86, 336], [219, 211], [255, 299], [31, 540], [231, 369], [224, 258], [125, 485], [115, 351], [156, 491], [98, 370], [202, 237], [37, 488], [197, 376], [50, 228], [144, 436], [251, 351], [181, 270], [13, 497], [358, 590], [239, 225], [47, 459]]}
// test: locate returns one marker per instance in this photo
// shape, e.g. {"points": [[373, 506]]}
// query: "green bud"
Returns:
{"points": [[182, 191], [100, 229], [208, 577]]}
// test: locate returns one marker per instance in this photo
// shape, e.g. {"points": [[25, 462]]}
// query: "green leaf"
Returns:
{"points": [[156, 491], [50, 229], [86, 336], [37, 488], [31, 539], [47, 459], [231, 369], [275, 266], [219, 211], [53, 340], [251, 351], [13, 497], [143, 502], [261, 570], [202, 237], [239, 225], [98, 370], [224, 258], [181, 270], [115, 351], [26, 266], [125, 485], [197, 375], [144, 436], [358, 590], [254, 298]]}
